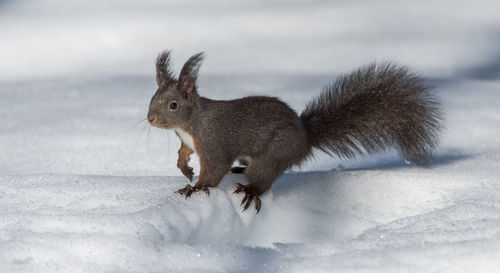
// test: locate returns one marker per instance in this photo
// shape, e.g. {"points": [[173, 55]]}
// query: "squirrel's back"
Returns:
{"points": [[247, 126]]}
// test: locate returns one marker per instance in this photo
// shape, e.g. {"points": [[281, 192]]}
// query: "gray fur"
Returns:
{"points": [[163, 73], [373, 108]]}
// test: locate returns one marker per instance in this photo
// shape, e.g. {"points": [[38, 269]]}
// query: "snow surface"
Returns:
{"points": [[87, 186]]}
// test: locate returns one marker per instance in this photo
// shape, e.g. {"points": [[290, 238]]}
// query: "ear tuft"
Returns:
{"points": [[188, 76], [163, 72]]}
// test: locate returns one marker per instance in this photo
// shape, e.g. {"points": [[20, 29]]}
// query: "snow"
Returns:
{"points": [[445, 218], [87, 186]]}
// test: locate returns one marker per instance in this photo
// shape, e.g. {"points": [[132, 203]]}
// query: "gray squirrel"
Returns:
{"points": [[376, 107]]}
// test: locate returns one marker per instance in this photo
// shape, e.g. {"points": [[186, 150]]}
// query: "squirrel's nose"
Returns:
{"points": [[151, 119]]}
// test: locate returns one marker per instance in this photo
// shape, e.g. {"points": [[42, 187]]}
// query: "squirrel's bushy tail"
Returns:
{"points": [[373, 108]]}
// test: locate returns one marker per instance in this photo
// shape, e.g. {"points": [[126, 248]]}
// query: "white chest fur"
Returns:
{"points": [[186, 138]]}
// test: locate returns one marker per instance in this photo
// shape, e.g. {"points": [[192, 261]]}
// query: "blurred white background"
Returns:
{"points": [[57, 38]]}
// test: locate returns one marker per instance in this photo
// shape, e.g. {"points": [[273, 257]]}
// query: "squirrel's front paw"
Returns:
{"points": [[187, 172], [188, 190], [250, 195]]}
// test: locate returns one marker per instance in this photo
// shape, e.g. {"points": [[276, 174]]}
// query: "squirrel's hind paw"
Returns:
{"points": [[188, 190], [249, 197]]}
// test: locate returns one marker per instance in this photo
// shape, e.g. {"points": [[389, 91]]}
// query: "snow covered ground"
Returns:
{"points": [[87, 186]]}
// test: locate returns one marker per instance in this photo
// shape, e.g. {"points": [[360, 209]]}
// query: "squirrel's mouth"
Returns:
{"points": [[160, 125], [156, 123]]}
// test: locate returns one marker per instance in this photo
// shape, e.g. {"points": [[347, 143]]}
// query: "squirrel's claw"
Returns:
{"points": [[248, 198], [188, 190], [239, 188]]}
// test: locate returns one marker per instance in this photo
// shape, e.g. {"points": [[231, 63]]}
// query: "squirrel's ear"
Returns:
{"points": [[163, 72], [187, 79]]}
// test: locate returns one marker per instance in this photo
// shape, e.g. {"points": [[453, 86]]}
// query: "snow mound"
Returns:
{"points": [[352, 220]]}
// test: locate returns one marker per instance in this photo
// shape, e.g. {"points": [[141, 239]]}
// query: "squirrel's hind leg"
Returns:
{"points": [[260, 174]]}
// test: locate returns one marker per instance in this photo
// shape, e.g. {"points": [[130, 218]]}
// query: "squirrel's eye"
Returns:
{"points": [[173, 106]]}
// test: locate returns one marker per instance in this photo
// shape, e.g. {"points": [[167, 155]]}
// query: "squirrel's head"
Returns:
{"points": [[172, 104]]}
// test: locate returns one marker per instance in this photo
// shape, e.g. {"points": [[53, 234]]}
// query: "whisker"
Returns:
{"points": [[147, 139], [166, 135], [134, 125], [140, 134]]}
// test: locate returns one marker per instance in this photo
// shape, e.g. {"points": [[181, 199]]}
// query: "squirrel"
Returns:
{"points": [[373, 108]]}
